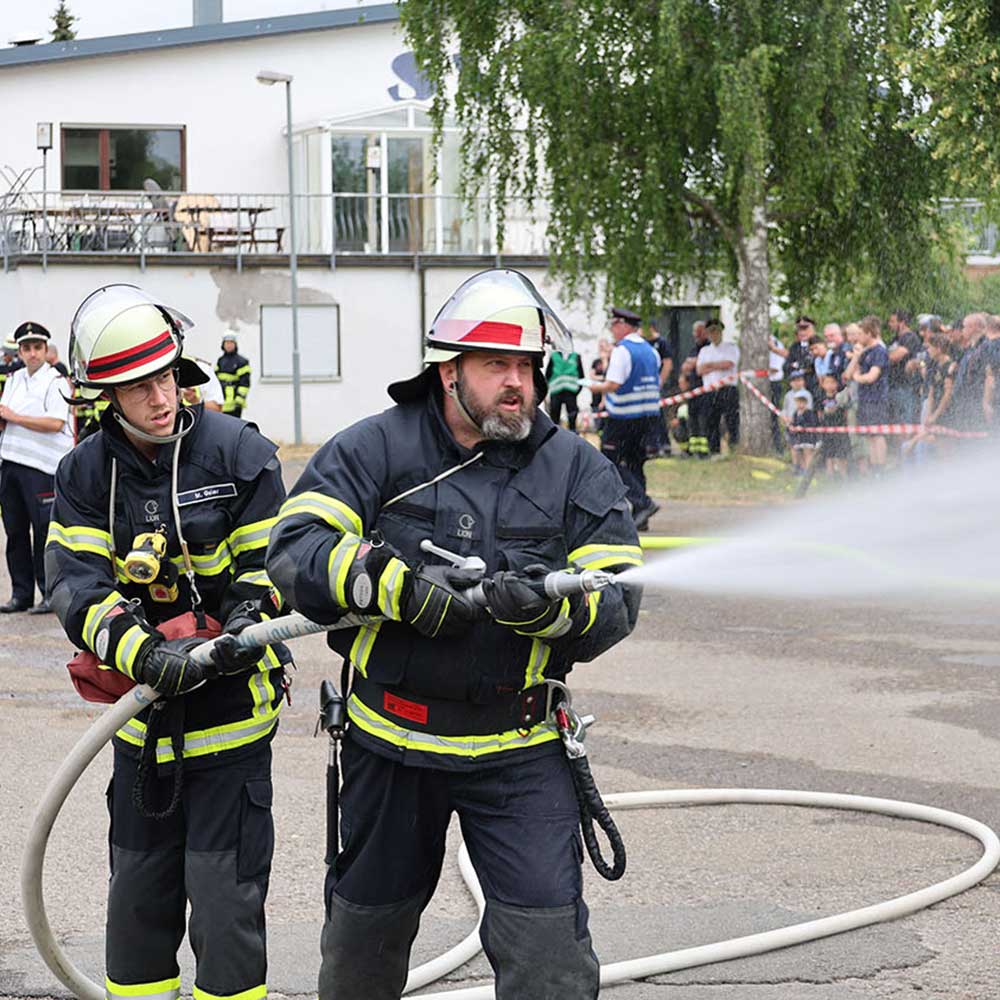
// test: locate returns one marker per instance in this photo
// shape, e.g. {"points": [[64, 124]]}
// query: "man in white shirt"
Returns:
{"points": [[34, 416], [718, 361]]}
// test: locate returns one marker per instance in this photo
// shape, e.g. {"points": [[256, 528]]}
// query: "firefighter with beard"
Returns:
{"points": [[159, 529], [447, 709]]}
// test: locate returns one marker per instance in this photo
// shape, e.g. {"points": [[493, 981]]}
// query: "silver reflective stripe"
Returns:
{"points": [[197, 745], [262, 692], [125, 653], [241, 539], [345, 550], [624, 554]]}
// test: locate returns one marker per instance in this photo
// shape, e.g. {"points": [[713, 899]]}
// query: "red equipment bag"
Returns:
{"points": [[95, 681]]}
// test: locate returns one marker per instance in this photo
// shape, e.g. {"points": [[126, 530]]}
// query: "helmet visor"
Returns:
{"points": [[498, 310]]}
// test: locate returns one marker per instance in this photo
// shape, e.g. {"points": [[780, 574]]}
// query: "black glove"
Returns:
{"points": [[511, 600], [167, 666], [361, 589], [435, 601], [226, 656]]}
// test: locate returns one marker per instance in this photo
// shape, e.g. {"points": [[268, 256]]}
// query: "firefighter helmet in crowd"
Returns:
{"points": [[121, 335], [229, 338], [495, 310]]}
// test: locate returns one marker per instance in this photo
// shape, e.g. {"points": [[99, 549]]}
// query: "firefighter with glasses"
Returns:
{"points": [[447, 707], [159, 530]]}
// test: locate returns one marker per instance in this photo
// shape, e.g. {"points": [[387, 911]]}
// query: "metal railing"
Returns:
{"points": [[68, 223]]}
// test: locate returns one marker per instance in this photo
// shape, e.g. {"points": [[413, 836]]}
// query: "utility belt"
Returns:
{"points": [[444, 717]]}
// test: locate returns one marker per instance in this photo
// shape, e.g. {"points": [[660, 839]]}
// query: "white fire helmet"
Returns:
{"points": [[496, 310], [121, 335]]}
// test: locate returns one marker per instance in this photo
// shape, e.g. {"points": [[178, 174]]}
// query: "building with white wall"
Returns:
{"points": [[168, 169]]}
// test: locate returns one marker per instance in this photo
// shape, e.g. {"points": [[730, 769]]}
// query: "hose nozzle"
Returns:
{"points": [[585, 582]]}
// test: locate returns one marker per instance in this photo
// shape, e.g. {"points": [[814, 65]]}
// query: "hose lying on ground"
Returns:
{"points": [[139, 697]]}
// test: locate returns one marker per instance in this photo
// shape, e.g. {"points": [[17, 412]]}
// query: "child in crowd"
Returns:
{"points": [[803, 443], [834, 449], [797, 383]]}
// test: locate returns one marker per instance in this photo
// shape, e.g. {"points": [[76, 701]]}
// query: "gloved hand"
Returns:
{"points": [[510, 599], [226, 656], [362, 586], [435, 601], [167, 666]]}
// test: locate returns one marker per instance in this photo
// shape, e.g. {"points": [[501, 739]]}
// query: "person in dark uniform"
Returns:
{"points": [[564, 373], [190, 796], [632, 398], [233, 372], [699, 406], [447, 708], [659, 443], [34, 417]]}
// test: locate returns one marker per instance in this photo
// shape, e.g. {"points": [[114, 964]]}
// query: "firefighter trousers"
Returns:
{"points": [[214, 851], [521, 824]]}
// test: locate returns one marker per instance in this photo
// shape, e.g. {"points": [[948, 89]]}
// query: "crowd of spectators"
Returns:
{"points": [[914, 384]]}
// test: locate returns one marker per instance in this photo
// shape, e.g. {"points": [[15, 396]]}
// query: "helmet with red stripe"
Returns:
{"points": [[495, 310], [121, 335]]}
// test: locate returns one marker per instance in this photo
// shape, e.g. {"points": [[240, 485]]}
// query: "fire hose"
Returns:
{"points": [[571, 728]]}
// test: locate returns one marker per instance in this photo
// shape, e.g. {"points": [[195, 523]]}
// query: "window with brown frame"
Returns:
{"points": [[121, 158]]}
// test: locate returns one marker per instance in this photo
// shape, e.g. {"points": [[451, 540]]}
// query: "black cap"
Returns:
{"points": [[633, 319], [31, 331], [715, 324]]}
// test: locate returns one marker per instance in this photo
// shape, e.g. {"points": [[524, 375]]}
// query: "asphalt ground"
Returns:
{"points": [[708, 692]]}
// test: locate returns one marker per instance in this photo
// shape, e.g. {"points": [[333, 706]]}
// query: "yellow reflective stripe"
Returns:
{"points": [[361, 648], [390, 588], [95, 615], [128, 649], [205, 741], [254, 993], [341, 557], [559, 627], [457, 746], [211, 564], [603, 556], [80, 539], [163, 989], [336, 514], [593, 599], [261, 688], [251, 536], [537, 660], [258, 577]]}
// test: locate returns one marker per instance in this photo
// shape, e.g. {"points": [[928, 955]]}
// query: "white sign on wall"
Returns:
{"points": [[319, 342]]}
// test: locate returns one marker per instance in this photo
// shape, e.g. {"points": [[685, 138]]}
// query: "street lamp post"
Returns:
{"points": [[269, 78]]}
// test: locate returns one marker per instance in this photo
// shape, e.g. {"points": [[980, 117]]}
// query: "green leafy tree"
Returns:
{"points": [[954, 56], [63, 21], [752, 144]]}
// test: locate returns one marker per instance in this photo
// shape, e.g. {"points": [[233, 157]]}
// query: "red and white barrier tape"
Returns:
{"points": [[879, 429], [703, 389]]}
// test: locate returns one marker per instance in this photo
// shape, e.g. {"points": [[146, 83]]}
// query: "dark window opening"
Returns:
{"points": [[122, 159]]}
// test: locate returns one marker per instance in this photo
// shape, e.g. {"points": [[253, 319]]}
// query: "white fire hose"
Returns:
{"points": [[292, 626]]}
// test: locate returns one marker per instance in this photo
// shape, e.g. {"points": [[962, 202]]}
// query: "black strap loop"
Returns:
{"points": [[592, 808], [171, 714]]}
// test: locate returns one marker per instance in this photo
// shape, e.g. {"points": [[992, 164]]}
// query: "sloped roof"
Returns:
{"points": [[200, 35]]}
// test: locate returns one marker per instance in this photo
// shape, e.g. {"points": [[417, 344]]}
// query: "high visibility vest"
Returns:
{"points": [[565, 372], [639, 394]]}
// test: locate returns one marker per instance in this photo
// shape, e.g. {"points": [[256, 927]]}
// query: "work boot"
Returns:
{"points": [[12, 607], [541, 953], [366, 949], [40, 609]]}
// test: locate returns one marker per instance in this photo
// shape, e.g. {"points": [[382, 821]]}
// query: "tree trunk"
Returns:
{"points": [[755, 328]]}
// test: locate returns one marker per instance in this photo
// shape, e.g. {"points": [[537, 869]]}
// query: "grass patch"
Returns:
{"points": [[734, 479]]}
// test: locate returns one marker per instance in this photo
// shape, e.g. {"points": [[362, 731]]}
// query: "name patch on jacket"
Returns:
{"points": [[204, 493]]}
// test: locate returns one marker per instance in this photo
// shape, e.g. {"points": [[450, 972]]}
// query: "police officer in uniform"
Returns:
{"points": [[190, 797], [632, 399], [447, 709], [35, 418], [233, 371]]}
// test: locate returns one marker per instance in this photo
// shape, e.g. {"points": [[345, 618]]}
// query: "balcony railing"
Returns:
{"points": [[67, 223]]}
